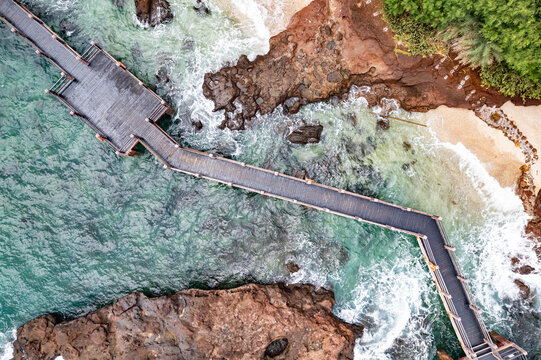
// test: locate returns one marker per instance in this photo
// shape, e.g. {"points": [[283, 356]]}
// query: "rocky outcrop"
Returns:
{"points": [[306, 134], [249, 322], [153, 12], [534, 225], [331, 45]]}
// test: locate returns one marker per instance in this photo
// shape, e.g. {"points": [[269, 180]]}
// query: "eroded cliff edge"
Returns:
{"points": [[250, 322], [331, 45]]}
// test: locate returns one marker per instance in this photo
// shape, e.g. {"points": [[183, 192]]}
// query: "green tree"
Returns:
{"points": [[492, 30]]}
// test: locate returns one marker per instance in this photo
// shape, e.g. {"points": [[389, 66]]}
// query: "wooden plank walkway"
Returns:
{"points": [[123, 112]]}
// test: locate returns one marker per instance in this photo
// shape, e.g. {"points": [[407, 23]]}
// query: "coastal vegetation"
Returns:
{"points": [[500, 38]]}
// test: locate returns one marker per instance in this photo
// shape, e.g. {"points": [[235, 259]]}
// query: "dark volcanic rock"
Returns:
{"points": [[201, 8], [331, 45], [383, 124], [306, 134], [275, 348], [153, 12], [249, 322], [292, 267]]}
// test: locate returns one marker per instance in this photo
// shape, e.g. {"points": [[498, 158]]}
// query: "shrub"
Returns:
{"points": [[510, 82], [419, 38]]}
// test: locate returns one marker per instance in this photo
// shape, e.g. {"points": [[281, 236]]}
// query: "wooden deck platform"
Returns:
{"points": [[123, 112]]}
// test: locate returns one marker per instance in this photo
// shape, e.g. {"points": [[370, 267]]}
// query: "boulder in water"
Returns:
{"points": [[153, 12], [306, 134]]}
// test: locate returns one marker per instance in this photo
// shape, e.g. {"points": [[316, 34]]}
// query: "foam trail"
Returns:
{"points": [[6, 345], [487, 252]]}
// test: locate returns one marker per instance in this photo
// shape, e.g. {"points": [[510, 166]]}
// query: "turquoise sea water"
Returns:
{"points": [[80, 226]]}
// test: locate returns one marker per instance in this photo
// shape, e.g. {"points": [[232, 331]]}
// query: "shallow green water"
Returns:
{"points": [[80, 226]]}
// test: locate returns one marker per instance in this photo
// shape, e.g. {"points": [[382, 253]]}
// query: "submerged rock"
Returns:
{"points": [[250, 322], [153, 12], [299, 173], [162, 76], [306, 134]]}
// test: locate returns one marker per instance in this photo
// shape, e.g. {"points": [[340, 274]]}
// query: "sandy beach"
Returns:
{"points": [[500, 156]]}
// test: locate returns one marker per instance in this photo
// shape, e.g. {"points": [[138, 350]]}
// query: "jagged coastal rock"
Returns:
{"points": [[250, 322], [306, 134], [534, 225], [329, 46], [153, 12]]}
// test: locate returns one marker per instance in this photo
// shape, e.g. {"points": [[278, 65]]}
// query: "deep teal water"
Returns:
{"points": [[80, 226]]}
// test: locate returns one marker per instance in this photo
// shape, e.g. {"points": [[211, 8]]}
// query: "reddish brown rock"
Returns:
{"points": [[524, 289], [537, 206], [153, 12], [287, 322], [533, 229], [526, 190], [329, 46]]}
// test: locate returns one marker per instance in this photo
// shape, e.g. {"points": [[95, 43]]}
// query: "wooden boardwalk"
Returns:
{"points": [[123, 112]]}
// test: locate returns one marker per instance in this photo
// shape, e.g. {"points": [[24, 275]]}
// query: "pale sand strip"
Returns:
{"points": [[499, 155]]}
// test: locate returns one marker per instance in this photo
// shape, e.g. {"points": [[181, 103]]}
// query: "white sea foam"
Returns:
{"points": [[6, 345], [488, 252]]}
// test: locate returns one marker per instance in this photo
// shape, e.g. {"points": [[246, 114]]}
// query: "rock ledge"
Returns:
{"points": [[250, 322]]}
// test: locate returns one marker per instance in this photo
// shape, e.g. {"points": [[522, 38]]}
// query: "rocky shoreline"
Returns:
{"points": [[249, 322], [331, 45]]}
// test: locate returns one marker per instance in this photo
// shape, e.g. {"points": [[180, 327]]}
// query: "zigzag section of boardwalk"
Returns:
{"points": [[123, 112]]}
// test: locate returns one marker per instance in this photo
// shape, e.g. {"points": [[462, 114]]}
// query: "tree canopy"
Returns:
{"points": [[485, 31]]}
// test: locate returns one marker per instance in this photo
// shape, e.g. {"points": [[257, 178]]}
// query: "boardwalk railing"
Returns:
{"points": [[445, 295], [90, 53], [61, 84], [45, 26], [465, 285]]}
